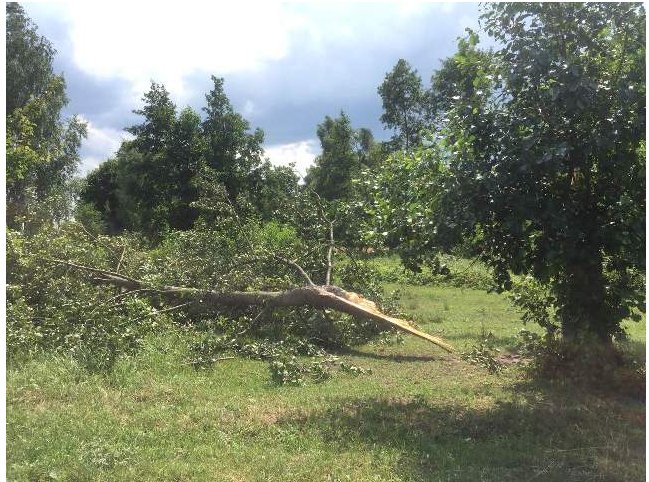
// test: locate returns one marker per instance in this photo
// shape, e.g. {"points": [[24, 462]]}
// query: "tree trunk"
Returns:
{"points": [[584, 314]]}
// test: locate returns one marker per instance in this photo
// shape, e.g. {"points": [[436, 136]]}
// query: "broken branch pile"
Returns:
{"points": [[317, 296]]}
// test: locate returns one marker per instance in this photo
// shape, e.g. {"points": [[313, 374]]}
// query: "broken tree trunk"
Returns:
{"points": [[322, 297]]}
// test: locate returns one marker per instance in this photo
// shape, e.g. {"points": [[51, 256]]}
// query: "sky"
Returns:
{"points": [[286, 65]]}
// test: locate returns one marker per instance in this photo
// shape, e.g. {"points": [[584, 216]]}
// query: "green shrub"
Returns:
{"points": [[484, 354], [535, 302]]}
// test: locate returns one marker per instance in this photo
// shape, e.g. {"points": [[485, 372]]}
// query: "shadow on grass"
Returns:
{"points": [[540, 436], [636, 349], [477, 336], [390, 356]]}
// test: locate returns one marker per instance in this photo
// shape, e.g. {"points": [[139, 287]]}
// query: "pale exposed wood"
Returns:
{"points": [[330, 253], [297, 267]]}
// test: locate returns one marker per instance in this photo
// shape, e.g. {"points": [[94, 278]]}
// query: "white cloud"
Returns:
{"points": [[300, 153], [249, 108], [282, 57], [409, 8], [141, 41], [168, 42], [101, 143]]}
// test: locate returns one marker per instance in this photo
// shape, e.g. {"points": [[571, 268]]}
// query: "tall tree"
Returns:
{"points": [[41, 148], [156, 181], [153, 135], [464, 78], [29, 59], [146, 169], [150, 184], [545, 155], [271, 188], [231, 150], [343, 148], [561, 171], [185, 159], [404, 104], [99, 193]]}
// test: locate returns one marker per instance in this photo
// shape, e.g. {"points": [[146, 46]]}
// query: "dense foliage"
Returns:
{"points": [[345, 151], [153, 183], [41, 148], [540, 159], [53, 307], [50, 309]]}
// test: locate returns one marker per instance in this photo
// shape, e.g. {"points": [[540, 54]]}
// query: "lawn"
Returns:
{"points": [[421, 414]]}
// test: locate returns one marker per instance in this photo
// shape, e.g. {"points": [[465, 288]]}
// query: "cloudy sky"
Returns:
{"points": [[286, 65]]}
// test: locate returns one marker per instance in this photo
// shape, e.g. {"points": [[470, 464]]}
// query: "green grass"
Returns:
{"points": [[421, 414], [463, 272]]}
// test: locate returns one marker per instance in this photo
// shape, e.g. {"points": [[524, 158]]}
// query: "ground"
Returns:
{"points": [[421, 414]]}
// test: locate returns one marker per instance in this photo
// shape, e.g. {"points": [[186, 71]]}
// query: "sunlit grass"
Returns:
{"points": [[422, 414]]}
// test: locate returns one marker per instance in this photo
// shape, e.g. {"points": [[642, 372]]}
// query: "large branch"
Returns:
{"points": [[323, 297], [330, 252]]}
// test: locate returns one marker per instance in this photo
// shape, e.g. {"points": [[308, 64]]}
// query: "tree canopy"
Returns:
{"points": [[404, 104], [344, 151], [154, 182], [545, 148], [41, 148]]}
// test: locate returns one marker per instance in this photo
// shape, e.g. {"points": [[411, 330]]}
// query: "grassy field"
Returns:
{"points": [[421, 414]]}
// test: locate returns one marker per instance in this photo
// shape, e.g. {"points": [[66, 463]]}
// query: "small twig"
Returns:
{"points": [[121, 258], [321, 209], [350, 254], [127, 293], [121, 295], [93, 270], [543, 470], [264, 311], [299, 268], [167, 310], [287, 261], [213, 360], [96, 240], [473, 261]]}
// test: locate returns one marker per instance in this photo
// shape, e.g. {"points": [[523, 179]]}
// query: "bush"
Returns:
{"points": [[51, 309], [535, 302], [484, 354], [287, 371]]}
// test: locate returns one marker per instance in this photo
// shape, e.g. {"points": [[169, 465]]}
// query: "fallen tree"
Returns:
{"points": [[232, 285], [194, 300]]}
